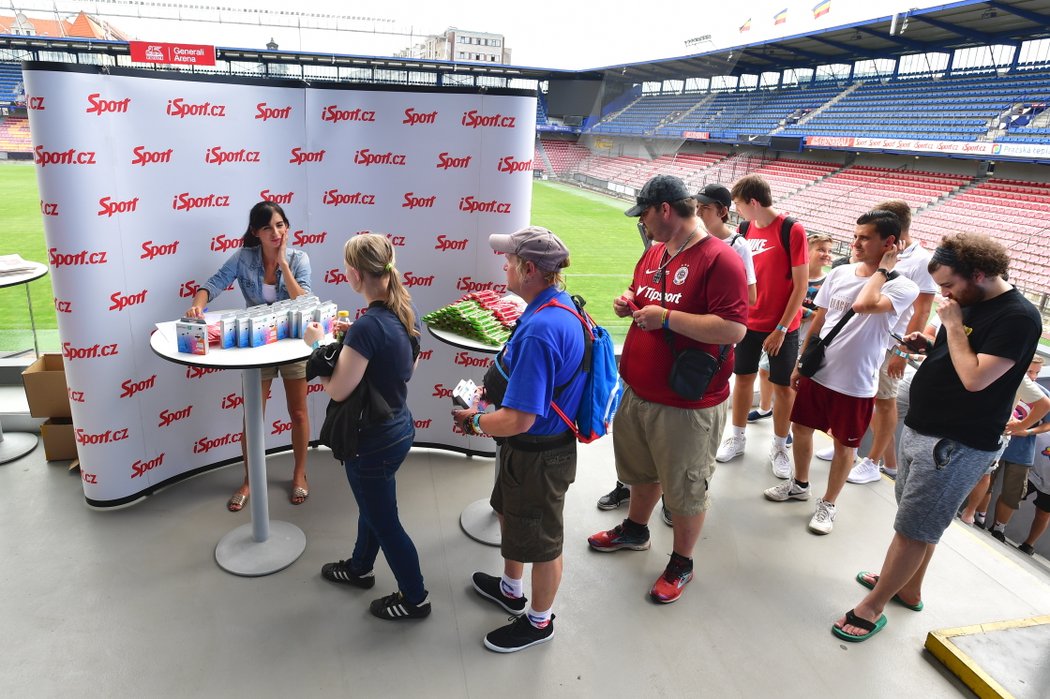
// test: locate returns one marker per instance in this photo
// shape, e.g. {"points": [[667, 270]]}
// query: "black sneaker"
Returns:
{"points": [[666, 515], [490, 587], [1026, 549], [394, 607], [999, 535], [613, 499], [341, 572], [519, 634]]}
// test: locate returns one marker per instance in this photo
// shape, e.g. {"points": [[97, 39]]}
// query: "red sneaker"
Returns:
{"points": [[616, 539], [668, 587]]}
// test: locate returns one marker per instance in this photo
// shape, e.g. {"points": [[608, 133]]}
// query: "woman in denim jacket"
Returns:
{"points": [[380, 347], [267, 270]]}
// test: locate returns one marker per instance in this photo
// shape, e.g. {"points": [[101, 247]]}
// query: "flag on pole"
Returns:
{"points": [[821, 8], [746, 26], [780, 17]]}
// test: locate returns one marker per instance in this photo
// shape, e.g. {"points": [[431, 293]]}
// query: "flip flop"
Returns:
{"points": [[298, 493], [236, 503], [917, 607], [871, 627]]}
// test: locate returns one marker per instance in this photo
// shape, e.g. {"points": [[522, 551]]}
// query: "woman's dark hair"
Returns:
{"points": [[260, 216]]}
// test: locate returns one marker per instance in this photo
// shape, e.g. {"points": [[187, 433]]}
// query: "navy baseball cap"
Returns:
{"points": [[658, 190]]}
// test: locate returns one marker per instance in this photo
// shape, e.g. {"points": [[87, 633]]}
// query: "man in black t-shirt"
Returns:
{"points": [[961, 398]]}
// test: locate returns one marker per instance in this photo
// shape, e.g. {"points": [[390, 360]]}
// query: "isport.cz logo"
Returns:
{"points": [[166, 417], [130, 387], [300, 156], [187, 202], [141, 467], [285, 198], [93, 352], [411, 279], [121, 301], [468, 284], [472, 206], [300, 238], [221, 243], [412, 117], [333, 197], [366, 157], [180, 108], [75, 259], [510, 165], [204, 444], [71, 156], [451, 162], [411, 201], [217, 155], [444, 243], [266, 112], [107, 206], [151, 250], [474, 120], [335, 115]]}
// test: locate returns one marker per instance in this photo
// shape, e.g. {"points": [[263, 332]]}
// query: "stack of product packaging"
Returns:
{"points": [[481, 315], [256, 326]]}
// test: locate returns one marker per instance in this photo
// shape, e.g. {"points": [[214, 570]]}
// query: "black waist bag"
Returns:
{"points": [[692, 371], [343, 419], [813, 356]]}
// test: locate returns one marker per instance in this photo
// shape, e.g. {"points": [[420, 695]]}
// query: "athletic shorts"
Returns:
{"points": [[1015, 484], [888, 386], [530, 495], [934, 477], [846, 418], [675, 447], [1042, 500], [749, 352], [295, 370]]}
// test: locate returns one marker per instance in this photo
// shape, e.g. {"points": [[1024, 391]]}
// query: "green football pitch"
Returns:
{"points": [[604, 244]]}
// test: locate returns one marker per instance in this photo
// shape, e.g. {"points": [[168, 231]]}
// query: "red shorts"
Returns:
{"points": [[845, 418]]}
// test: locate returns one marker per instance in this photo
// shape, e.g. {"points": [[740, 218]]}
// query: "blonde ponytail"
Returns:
{"points": [[373, 255]]}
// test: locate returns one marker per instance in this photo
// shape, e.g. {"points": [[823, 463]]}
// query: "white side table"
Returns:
{"points": [[15, 445], [264, 546]]}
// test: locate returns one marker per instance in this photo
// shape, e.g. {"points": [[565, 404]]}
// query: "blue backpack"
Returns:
{"points": [[602, 391]]}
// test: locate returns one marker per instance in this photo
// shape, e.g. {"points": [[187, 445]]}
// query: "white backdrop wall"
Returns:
{"points": [[146, 180]]}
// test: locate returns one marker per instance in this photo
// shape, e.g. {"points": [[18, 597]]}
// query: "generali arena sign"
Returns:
{"points": [[146, 180]]}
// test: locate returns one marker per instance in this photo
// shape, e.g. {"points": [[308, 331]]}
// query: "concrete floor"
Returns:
{"points": [[130, 602]]}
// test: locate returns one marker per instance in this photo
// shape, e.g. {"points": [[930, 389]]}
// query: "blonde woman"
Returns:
{"points": [[380, 347]]}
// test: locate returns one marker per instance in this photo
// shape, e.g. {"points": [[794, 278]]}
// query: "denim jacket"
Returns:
{"points": [[246, 266]]}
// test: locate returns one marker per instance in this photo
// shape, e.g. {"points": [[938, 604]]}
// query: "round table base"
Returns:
{"points": [[239, 554], [480, 523], [14, 445]]}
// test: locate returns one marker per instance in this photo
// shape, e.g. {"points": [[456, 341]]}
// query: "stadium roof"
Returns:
{"points": [[931, 30]]}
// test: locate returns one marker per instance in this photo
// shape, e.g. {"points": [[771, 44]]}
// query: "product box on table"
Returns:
{"points": [[192, 338], [45, 386]]}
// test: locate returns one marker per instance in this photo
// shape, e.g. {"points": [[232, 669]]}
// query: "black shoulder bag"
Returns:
{"points": [[813, 356], [692, 369]]}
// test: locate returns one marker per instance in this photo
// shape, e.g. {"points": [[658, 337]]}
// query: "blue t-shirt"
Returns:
{"points": [[1021, 449], [545, 352], [379, 337]]}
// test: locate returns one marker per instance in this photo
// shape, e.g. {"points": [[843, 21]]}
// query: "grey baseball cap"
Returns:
{"points": [[535, 244], [658, 190]]}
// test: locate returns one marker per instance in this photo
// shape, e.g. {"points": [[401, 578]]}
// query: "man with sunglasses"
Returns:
{"points": [[688, 291]]}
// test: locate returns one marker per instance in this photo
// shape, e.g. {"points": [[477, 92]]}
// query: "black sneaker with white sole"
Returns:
{"points": [[341, 572], [490, 587], [395, 607], [519, 634], [614, 498]]}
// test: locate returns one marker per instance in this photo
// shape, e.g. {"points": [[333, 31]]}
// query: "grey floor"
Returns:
{"points": [[130, 602]]}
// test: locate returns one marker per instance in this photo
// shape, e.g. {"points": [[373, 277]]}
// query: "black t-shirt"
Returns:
{"points": [[379, 337], [1006, 326]]}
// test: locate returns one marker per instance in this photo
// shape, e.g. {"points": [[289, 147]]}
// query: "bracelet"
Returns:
{"points": [[896, 351], [782, 328], [665, 322], [475, 424], [316, 344]]}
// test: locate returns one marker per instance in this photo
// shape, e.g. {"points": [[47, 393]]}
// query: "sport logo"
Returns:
{"points": [[122, 301], [217, 156], [233, 401], [145, 157], [75, 396], [221, 243], [188, 289], [299, 238], [267, 195], [178, 107], [423, 424], [140, 467], [464, 359], [150, 251], [509, 165], [266, 112], [106, 437], [130, 388], [448, 162], [108, 207], [333, 197], [63, 157], [300, 156], [196, 372], [443, 243], [473, 120], [471, 205], [334, 114], [204, 445], [169, 416], [97, 350], [468, 284], [101, 106], [185, 202], [73, 259], [335, 276], [441, 391], [48, 208], [366, 157], [314, 387], [425, 355], [411, 201], [281, 427], [412, 117], [411, 280], [63, 306]]}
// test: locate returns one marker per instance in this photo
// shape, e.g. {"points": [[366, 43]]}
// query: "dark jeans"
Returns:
{"points": [[381, 451]]}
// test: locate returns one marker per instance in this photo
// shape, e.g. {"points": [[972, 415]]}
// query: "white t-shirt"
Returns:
{"points": [[269, 293], [740, 246], [852, 360], [912, 263]]}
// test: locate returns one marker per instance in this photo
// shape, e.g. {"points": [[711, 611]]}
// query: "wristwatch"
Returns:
{"points": [[888, 274]]}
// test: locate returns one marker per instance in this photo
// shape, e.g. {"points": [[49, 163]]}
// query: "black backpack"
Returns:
{"points": [[785, 237]]}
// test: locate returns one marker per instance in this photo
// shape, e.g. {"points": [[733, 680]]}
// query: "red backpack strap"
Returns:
{"points": [[589, 341]]}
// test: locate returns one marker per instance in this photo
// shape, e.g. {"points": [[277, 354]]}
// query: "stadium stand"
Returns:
{"points": [[14, 135], [10, 82], [564, 156]]}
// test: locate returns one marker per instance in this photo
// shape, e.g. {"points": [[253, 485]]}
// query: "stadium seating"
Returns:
{"points": [[14, 135], [10, 82], [564, 156]]}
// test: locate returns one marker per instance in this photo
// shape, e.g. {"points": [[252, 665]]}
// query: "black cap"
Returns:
{"points": [[658, 190], [715, 194]]}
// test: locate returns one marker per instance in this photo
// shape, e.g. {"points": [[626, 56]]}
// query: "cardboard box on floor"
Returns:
{"points": [[59, 442], [45, 386]]}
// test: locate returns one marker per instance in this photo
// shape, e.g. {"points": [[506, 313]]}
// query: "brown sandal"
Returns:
{"points": [[299, 495], [236, 503]]}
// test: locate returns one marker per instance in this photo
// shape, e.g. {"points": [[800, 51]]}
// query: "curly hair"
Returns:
{"points": [[966, 253]]}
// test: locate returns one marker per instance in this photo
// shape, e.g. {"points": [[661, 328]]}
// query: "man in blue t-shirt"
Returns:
{"points": [[537, 462]]}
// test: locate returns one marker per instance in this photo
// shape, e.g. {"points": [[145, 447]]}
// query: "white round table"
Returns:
{"points": [[478, 519], [15, 445], [264, 546]]}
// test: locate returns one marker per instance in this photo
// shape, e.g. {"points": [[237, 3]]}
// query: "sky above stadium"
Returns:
{"points": [[570, 36]]}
